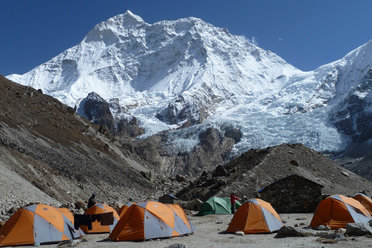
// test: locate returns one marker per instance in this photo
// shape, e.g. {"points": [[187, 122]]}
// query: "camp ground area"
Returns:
{"points": [[338, 220], [209, 233]]}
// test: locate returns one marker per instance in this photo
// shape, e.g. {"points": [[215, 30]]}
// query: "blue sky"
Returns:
{"points": [[306, 33]]}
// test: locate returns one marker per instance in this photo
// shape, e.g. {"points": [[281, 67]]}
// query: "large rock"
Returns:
{"points": [[358, 229], [289, 231], [177, 246], [194, 204], [219, 171]]}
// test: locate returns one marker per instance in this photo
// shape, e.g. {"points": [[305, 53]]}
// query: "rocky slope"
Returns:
{"points": [[213, 148], [51, 154], [258, 168]]}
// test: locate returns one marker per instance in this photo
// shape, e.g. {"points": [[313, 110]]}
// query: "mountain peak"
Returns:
{"points": [[193, 72], [109, 30], [130, 18]]}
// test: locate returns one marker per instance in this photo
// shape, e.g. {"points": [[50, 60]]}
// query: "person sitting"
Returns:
{"points": [[92, 200]]}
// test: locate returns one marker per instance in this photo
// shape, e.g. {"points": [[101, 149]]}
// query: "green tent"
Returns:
{"points": [[217, 205]]}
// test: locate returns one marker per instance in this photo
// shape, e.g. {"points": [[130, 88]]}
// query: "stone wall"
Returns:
{"points": [[293, 194]]}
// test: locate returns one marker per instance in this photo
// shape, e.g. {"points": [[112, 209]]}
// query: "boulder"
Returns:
{"points": [[12, 210], [288, 231], [194, 204], [80, 204], [338, 234], [180, 178], [322, 228], [220, 171], [167, 198], [177, 246], [148, 175], [358, 229]]}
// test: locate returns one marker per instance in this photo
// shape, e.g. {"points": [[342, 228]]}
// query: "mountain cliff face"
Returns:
{"points": [[187, 74]]}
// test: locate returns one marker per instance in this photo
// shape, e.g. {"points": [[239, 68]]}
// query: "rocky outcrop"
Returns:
{"points": [[213, 148], [180, 111], [359, 229], [256, 169], [129, 128], [97, 110], [289, 231]]}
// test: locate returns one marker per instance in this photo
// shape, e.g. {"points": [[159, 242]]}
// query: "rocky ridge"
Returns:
{"points": [[51, 154], [258, 168]]}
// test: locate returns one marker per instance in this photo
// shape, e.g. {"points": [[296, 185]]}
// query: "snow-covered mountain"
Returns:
{"points": [[188, 73]]}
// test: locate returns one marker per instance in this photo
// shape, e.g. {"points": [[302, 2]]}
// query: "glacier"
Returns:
{"points": [[181, 71]]}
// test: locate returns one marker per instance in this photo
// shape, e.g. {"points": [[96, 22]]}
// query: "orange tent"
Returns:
{"points": [[100, 208], [337, 210], [67, 213], [122, 210], [37, 224], [255, 216], [150, 220], [70, 216], [365, 201]]}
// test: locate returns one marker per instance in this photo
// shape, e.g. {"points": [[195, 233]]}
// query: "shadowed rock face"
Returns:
{"points": [[129, 128], [97, 110], [213, 148]]}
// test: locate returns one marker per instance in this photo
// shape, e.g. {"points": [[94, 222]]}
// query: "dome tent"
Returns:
{"points": [[150, 220], [255, 216], [123, 209], [100, 208], [37, 224], [217, 205], [365, 201], [337, 210]]}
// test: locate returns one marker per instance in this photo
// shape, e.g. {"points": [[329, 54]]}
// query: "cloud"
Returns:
{"points": [[280, 39]]}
